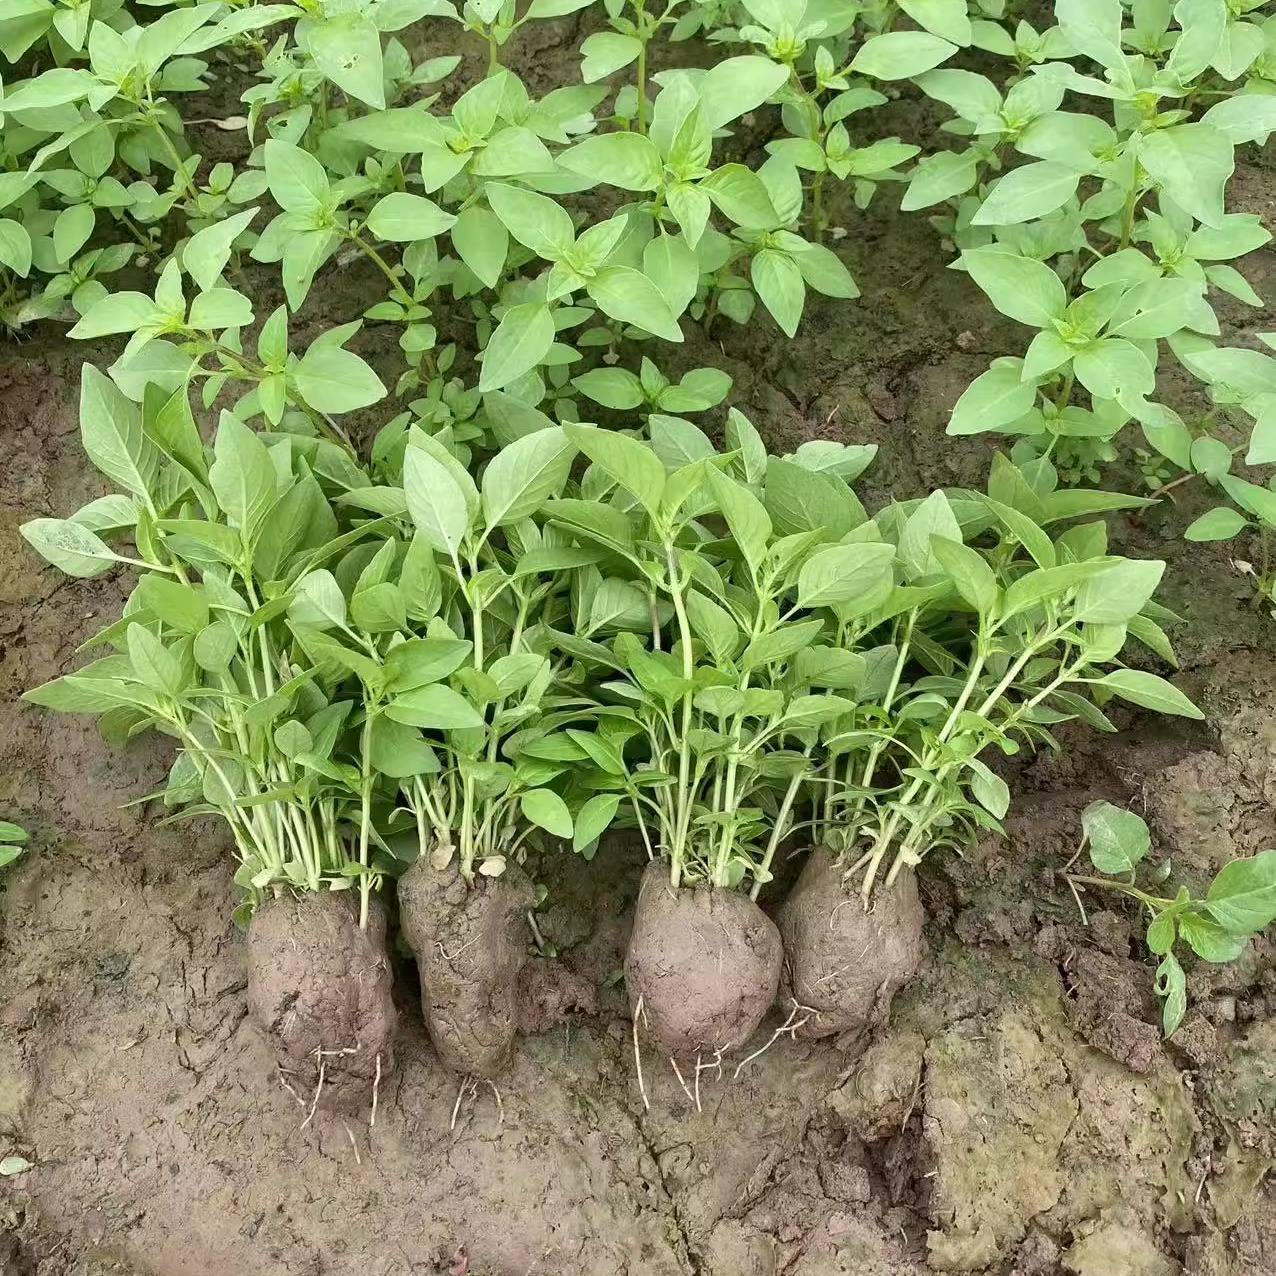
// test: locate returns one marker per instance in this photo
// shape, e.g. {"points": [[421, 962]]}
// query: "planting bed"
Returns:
{"points": [[1019, 1114]]}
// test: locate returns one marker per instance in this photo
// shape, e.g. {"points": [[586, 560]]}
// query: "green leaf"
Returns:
{"points": [[593, 819], [545, 809], [1219, 524], [1019, 287], [1118, 592], [605, 52], [1171, 986], [780, 287], [421, 661], [317, 601], [215, 646], [1117, 839], [523, 338], [975, 580], [434, 707], [630, 464], [899, 55], [242, 475], [1242, 898], [111, 432], [1149, 691], [436, 501], [402, 217], [153, 664], [856, 577], [747, 519], [1112, 367], [735, 86], [117, 312], [176, 605], [1093, 28], [207, 251], [524, 474], [932, 517], [612, 387], [1209, 940], [940, 177], [69, 546], [629, 161], [995, 398], [628, 295], [482, 242], [1027, 193], [297, 180], [71, 230], [15, 252], [334, 380], [989, 789], [947, 18], [536, 221], [780, 644], [1192, 164], [347, 49]]}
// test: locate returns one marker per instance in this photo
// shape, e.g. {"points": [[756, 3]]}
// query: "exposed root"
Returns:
{"points": [[466, 1085], [376, 1089], [677, 1072], [642, 1086], [788, 1028], [358, 1160], [500, 1103], [314, 1103], [714, 1065], [283, 1081]]}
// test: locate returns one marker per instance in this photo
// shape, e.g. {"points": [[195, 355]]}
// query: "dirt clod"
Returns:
{"points": [[705, 963], [842, 962], [470, 943], [319, 988]]}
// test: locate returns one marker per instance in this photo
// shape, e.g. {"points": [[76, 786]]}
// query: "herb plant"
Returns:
{"points": [[1238, 903], [13, 841]]}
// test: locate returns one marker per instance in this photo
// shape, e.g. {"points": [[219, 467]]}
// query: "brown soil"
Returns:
{"points": [[319, 987], [999, 1123], [470, 943], [702, 968], [842, 965]]}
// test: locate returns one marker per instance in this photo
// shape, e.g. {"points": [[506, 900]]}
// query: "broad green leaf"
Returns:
{"points": [[629, 161], [524, 474], [1242, 897], [593, 819], [1019, 287], [297, 180], [420, 661], [614, 388], [969, 571], [899, 55], [71, 230], [482, 242], [994, 399], [154, 666], [70, 546], [1117, 839], [1171, 986], [402, 217], [522, 339], [1192, 164], [1119, 591], [1149, 691], [1218, 524], [780, 287], [853, 578], [15, 252], [317, 601], [1245, 117], [208, 250], [436, 501], [946, 18], [117, 312], [242, 475], [628, 295], [434, 708], [1093, 28], [1112, 367], [111, 432], [627, 462], [932, 517], [536, 221], [545, 809], [605, 52], [334, 380], [735, 86], [1027, 193], [1209, 940], [347, 49], [940, 177]]}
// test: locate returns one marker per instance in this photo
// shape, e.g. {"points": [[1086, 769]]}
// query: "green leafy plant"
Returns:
{"points": [[1238, 904], [13, 841]]}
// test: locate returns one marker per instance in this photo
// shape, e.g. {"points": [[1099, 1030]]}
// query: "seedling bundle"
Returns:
{"points": [[540, 601]]}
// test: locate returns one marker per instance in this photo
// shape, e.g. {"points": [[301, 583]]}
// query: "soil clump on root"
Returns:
{"points": [[702, 968], [842, 963], [470, 942], [319, 987]]}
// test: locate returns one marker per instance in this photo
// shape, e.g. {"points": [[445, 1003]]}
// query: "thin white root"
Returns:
{"points": [[642, 1085], [677, 1072], [314, 1104], [358, 1160], [284, 1082], [376, 1090], [456, 1107], [788, 1028], [500, 1103]]}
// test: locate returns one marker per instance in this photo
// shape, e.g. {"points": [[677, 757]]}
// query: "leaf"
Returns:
{"points": [[629, 161], [780, 644], [317, 601], [403, 217], [153, 664], [1219, 524], [932, 517], [993, 399], [482, 242], [242, 475], [523, 338], [420, 661], [14, 1165], [347, 49], [945, 18], [434, 707], [1019, 287], [1149, 691], [735, 86], [1026, 193], [1118, 592], [297, 180], [1117, 839], [545, 809], [436, 501], [334, 380], [118, 312], [536, 221], [899, 55], [1171, 985], [71, 230], [1209, 940], [15, 252], [69, 546], [1242, 898], [605, 52], [1192, 164], [612, 387], [524, 474], [1093, 28], [856, 577], [593, 819], [207, 251], [975, 580], [627, 462], [111, 432], [780, 287], [628, 295]]}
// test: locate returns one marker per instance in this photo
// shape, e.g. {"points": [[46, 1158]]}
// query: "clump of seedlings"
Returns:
{"points": [[214, 649]]}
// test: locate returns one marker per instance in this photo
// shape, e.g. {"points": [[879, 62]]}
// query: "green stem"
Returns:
{"points": [[641, 119], [178, 164], [401, 293], [817, 207], [678, 850], [1125, 888]]}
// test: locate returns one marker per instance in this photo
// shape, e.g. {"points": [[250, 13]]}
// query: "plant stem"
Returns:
{"points": [[178, 165], [683, 814], [777, 833], [1127, 217], [401, 293], [641, 118], [817, 208]]}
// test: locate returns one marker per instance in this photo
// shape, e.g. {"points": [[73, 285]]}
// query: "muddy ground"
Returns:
{"points": [[1020, 1115]]}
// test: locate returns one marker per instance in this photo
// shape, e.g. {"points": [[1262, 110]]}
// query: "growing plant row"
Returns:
{"points": [[500, 627]]}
